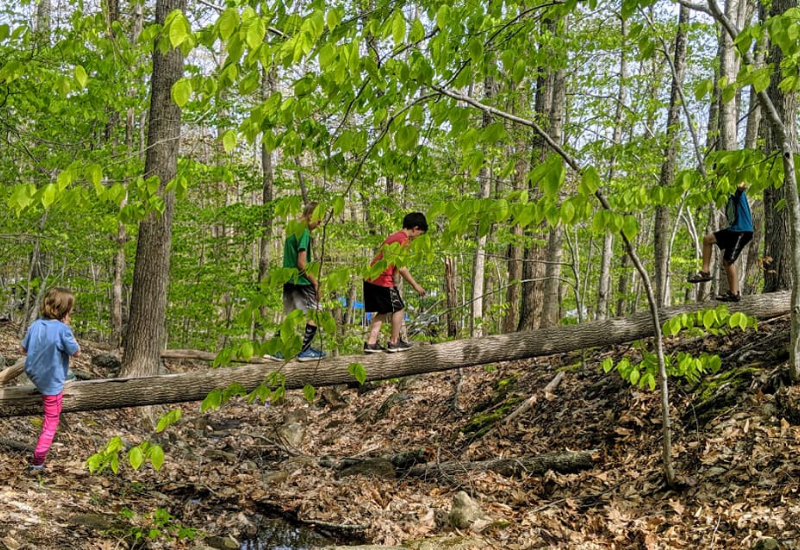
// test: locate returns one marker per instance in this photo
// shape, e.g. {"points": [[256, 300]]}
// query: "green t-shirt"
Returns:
{"points": [[292, 247]]}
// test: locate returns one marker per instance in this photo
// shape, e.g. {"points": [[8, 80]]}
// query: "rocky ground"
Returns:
{"points": [[226, 472]]}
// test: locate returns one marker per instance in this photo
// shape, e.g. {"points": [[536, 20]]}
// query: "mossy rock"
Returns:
{"points": [[484, 421], [720, 391]]}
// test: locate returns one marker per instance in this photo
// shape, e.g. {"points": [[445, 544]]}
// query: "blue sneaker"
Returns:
{"points": [[277, 356], [311, 354], [70, 375]]}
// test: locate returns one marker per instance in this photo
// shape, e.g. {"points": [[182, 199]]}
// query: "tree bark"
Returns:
{"points": [[146, 328], [479, 260], [777, 232], [268, 87], [663, 218], [194, 386], [450, 296]]}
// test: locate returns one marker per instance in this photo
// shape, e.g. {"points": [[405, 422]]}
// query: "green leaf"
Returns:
{"points": [[630, 227], [135, 457], [442, 16], [228, 22], [590, 180], [229, 140], [398, 27], [309, 393], [255, 33], [709, 318], [181, 92], [178, 29], [212, 401], [332, 18], [357, 371], [157, 456], [81, 76]]}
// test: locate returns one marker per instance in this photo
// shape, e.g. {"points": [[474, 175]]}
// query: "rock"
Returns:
{"points": [[464, 512], [222, 543], [766, 544], [107, 362], [292, 434], [274, 477], [378, 467], [332, 398], [299, 416]]}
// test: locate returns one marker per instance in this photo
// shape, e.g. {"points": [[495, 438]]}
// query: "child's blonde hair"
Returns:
{"points": [[57, 303], [308, 211]]}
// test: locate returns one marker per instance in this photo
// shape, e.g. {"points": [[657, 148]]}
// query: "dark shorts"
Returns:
{"points": [[302, 297], [382, 299], [732, 243]]}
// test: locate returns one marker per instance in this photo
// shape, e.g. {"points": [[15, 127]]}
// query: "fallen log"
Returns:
{"points": [[565, 463], [194, 386]]}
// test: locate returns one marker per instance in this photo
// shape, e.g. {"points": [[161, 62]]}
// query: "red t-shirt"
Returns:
{"points": [[386, 278]]}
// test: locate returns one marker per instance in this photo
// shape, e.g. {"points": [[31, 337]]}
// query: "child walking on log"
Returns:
{"points": [[381, 295], [48, 345], [731, 241]]}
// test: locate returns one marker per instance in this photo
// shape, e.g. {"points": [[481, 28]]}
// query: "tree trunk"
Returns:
{"points": [[194, 386], [146, 328], [663, 219], [479, 260], [268, 87], [777, 232], [565, 463], [450, 296], [604, 278]]}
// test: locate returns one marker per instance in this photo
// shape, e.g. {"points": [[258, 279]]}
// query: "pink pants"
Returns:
{"points": [[52, 412]]}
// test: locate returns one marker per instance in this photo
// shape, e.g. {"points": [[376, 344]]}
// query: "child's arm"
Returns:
{"points": [[302, 265], [406, 274]]}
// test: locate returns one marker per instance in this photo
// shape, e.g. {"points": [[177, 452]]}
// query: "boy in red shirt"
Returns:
{"points": [[381, 295]]}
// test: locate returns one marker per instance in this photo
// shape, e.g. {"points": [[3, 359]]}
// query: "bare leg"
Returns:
{"points": [[733, 280], [708, 244], [375, 328], [397, 321]]}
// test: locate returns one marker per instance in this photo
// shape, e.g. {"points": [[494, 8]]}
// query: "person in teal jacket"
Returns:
{"points": [[731, 241]]}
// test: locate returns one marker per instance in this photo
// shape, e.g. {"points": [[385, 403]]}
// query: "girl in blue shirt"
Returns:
{"points": [[48, 345]]}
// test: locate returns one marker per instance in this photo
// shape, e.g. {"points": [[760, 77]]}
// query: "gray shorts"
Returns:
{"points": [[302, 297]]}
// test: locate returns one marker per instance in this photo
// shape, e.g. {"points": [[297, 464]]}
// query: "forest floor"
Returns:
{"points": [[224, 472]]}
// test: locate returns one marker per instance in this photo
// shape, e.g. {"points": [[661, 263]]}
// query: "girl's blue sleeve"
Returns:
{"points": [[70, 344]]}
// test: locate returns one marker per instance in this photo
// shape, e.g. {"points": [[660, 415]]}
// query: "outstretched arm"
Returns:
{"points": [[406, 274]]}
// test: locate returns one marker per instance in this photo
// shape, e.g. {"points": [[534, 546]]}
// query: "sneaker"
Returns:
{"points": [[699, 277], [311, 354], [70, 375], [399, 346], [277, 356], [729, 297], [373, 348], [35, 469]]}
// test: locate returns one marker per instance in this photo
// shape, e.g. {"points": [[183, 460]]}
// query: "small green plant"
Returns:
{"points": [[682, 365], [158, 525]]}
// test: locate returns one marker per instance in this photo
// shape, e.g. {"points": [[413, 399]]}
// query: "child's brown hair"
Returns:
{"points": [[57, 303]]}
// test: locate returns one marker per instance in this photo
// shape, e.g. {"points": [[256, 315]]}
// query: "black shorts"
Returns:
{"points": [[732, 243], [302, 297], [382, 299]]}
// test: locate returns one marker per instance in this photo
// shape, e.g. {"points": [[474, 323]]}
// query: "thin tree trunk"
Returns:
{"points": [[268, 86], [663, 217], [450, 296]]}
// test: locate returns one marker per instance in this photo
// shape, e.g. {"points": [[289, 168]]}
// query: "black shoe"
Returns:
{"points": [[399, 346], [729, 297], [700, 277], [373, 348]]}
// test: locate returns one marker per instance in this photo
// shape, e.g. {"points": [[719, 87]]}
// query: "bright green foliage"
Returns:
{"points": [[137, 455], [683, 365]]}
